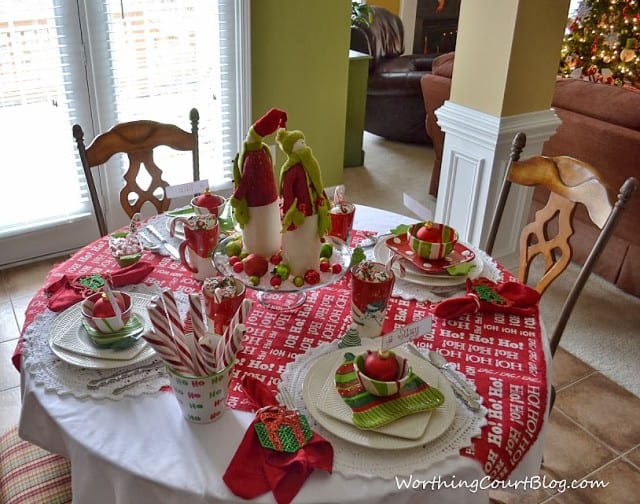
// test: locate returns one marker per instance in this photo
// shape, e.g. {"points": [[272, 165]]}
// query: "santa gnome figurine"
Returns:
{"points": [[305, 207], [255, 198]]}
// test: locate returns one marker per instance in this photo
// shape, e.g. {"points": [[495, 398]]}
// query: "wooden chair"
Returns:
{"points": [[136, 139], [570, 182]]}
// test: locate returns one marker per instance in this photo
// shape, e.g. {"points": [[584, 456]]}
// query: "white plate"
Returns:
{"points": [[78, 341], [66, 326], [440, 420], [382, 254]]}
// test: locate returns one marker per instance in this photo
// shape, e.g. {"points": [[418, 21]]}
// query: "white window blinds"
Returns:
{"points": [[100, 62]]}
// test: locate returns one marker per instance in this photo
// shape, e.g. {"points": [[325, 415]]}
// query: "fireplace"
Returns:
{"points": [[436, 32]]}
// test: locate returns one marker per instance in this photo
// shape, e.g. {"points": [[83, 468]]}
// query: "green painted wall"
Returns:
{"points": [[300, 63]]}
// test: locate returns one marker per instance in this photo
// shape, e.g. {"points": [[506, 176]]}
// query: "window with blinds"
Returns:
{"points": [[97, 63]]}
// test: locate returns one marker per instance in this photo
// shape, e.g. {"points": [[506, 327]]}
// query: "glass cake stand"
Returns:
{"points": [[286, 297]]}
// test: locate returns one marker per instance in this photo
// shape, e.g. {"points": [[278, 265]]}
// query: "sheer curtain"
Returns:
{"points": [[97, 63]]}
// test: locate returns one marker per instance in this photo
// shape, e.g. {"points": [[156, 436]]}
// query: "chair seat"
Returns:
{"points": [[29, 474]]}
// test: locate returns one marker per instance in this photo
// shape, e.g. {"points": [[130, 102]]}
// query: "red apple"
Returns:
{"points": [[381, 366], [255, 265], [103, 309]]}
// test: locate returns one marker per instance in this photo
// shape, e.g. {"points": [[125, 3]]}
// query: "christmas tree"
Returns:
{"points": [[602, 42]]}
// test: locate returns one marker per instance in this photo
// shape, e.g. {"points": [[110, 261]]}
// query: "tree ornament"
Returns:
{"points": [[627, 55]]}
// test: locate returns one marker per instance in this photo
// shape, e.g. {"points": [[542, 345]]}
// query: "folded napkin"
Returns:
{"points": [[487, 296], [255, 470], [67, 291]]}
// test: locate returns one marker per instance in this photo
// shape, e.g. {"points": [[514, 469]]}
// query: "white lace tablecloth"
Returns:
{"points": [[56, 375], [352, 460]]}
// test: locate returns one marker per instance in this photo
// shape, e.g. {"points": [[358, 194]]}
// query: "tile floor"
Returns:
{"points": [[594, 432]]}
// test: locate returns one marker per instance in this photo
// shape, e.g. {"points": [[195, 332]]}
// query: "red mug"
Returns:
{"points": [[341, 216], [372, 284], [222, 297], [200, 240]]}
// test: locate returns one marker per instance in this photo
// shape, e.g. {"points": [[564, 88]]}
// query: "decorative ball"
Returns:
{"points": [[627, 55], [432, 240], [103, 319], [392, 366], [103, 307]]}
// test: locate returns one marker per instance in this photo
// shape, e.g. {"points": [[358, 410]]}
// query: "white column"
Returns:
{"points": [[474, 160]]}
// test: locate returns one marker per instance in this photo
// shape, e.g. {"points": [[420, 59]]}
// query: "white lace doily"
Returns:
{"points": [[56, 375], [352, 460], [434, 293]]}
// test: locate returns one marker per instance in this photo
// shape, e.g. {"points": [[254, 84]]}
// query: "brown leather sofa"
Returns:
{"points": [[600, 125], [394, 107]]}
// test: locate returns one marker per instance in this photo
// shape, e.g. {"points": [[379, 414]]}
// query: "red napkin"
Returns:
{"points": [[67, 291], [486, 296], [255, 470]]}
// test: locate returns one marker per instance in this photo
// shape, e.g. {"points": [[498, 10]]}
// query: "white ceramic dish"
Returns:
{"points": [[315, 381], [69, 341]]}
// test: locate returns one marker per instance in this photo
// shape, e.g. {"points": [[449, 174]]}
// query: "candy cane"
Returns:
{"points": [[201, 360], [163, 327], [171, 307], [239, 317], [233, 345], [197, 316], [206, 355], [165, 349], [184, 345]]}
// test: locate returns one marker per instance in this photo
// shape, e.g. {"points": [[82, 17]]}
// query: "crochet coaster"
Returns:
{"points": [[371, 411]]}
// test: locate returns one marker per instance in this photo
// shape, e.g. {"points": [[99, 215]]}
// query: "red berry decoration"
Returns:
{"points": [[238, 267], [233, 260], [336, 268], [275, 281], [382, 366], [103, 309], [275, 259], [324, 266], [312, 277]]}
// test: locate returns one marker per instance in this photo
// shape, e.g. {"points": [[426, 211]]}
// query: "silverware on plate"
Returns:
{"points": [[471, 402]]}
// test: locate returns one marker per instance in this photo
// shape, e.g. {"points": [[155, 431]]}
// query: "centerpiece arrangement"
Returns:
{"points": [[283, 248]]}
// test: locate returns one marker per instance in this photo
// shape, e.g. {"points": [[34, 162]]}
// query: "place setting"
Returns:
{"points": [[430, 261], [387, 411]]}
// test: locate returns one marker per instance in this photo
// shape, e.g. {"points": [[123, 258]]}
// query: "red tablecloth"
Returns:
{"points": [[502, 354]]}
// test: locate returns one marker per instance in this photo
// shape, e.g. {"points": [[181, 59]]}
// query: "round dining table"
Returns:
{"points": [[134, 445]]}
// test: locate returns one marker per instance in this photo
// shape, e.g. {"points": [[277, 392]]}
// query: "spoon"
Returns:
{"points": [[369, 241], [438, 360]]}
